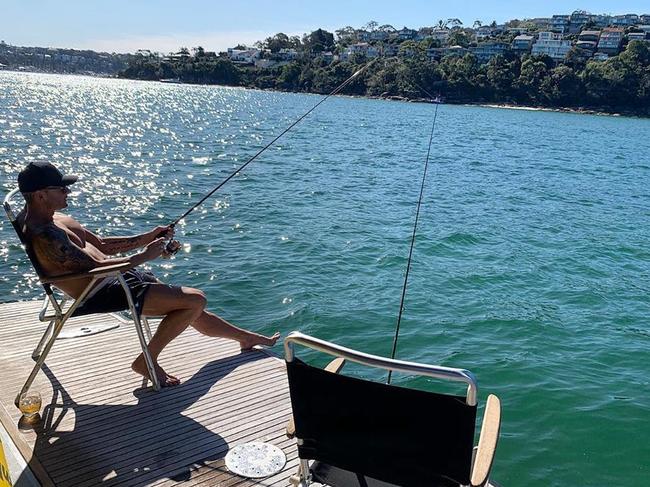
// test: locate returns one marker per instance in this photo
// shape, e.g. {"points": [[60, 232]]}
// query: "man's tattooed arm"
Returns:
{"points": [[118, 245], [58, 255]]}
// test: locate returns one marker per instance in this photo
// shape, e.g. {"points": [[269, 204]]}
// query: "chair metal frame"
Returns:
{"points": [[60, 315], [488, 434]]}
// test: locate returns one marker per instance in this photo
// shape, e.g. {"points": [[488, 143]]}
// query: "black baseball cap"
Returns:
{"points": [[40, 175]]}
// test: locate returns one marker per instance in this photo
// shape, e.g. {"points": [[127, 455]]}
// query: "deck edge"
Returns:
{"points": [[33, 464]]}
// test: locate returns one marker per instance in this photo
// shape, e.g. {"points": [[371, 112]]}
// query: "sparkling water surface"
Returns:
{"points": [[531, 266]]}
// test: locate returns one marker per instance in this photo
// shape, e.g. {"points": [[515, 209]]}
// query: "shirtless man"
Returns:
{"points": [[63, 246]]}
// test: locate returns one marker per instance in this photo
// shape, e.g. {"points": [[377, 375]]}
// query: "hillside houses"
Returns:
{"points": [[487, 50], [610, 41], [440, 35], [485, 32], [56, 60], [627, 20], [406, 34], [522, 44], [638, 36], [551, 44], [244, 56], [360, 49], [597, 36], [588, 40], [560, 23]]}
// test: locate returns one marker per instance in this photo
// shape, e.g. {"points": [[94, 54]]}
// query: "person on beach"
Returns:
{"points": [[63, 246]]}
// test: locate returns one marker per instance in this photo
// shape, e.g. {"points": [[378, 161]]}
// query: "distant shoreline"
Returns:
{"points": [[509, 106], [579, 111]]}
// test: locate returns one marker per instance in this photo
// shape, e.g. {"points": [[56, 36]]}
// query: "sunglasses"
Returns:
{"points": [[63, 189]]}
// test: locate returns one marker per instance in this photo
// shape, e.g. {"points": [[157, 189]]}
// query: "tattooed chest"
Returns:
{"points": [[77, 238]]}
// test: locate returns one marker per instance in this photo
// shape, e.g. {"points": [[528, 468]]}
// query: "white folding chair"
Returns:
{"points": [[60, 314]]}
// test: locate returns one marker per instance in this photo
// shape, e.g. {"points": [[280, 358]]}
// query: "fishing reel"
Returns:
{"points": [[171, 249]]}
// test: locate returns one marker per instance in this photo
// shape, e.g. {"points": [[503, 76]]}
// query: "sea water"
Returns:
{"points": [[531, 265]]}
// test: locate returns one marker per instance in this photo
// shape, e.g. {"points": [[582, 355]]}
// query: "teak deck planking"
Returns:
{"points": [[100, 427]]}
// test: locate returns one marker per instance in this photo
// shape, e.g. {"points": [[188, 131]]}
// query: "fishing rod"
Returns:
{"points": [[415, 227], [173, 246]]}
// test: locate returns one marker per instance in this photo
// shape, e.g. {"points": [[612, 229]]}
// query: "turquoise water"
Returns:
{"points": [[530, 268]]}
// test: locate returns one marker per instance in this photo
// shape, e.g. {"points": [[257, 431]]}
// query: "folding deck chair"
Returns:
{"points": [[61, 314], [368, 434]]}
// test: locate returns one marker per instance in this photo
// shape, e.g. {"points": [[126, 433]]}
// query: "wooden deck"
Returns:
{"points": [[101, 428]]}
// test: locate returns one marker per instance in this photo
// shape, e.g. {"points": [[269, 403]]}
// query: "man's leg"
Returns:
{"points": [[212, 325], [180, 306]]}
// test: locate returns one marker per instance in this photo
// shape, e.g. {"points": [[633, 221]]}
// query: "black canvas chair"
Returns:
{"points": [[367, 434], [60, 313]]}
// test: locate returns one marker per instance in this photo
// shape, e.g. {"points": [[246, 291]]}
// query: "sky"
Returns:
{"points": [[164, 26]]}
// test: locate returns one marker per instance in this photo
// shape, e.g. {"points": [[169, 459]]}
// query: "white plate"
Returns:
{"points": [[255, 459]]}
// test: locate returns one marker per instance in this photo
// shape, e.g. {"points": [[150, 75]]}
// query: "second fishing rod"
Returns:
{"points": [[173, 246]]}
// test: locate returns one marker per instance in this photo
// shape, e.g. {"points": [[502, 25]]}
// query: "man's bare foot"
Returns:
{"points": [[140, 367], [255, 339]]}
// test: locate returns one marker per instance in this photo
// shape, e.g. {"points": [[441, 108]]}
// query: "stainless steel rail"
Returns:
{"points": [[435, 371]]}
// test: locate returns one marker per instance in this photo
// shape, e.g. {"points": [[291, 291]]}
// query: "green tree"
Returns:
{"points": [[562, 87], [412, 49], [460, 75], [387, 28], [459, 38], [277, 42], [289, 77], [318, 41], [619, 81], [636, 55], [384, 80], [502, 76], [345, 34], [533, 72], [576, 59], [372, 25], [442, 24]]}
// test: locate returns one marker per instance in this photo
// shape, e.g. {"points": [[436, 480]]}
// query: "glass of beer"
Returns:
{"points": [[30, 405]]}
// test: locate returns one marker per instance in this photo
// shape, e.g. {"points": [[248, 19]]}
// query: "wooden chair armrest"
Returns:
{"points": [[334, 366], [487, 443], [291, 428], [96, 272]]}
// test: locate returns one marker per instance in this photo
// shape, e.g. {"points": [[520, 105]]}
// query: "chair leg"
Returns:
{"points": [[147, 328], [139, 329], [147, 333], [58, 325], [48, 331], [42, 355], [39, 348], [303, 479]]}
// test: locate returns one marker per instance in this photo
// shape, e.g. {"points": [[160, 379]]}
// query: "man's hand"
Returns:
{"points": [[154, 250], [162, 231]]}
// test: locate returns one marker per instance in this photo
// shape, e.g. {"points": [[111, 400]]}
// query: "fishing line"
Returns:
{"points": [[415, 227], [240, 168]]}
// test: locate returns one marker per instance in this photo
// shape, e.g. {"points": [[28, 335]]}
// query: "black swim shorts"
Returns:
{"points": [[110, 296]]}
